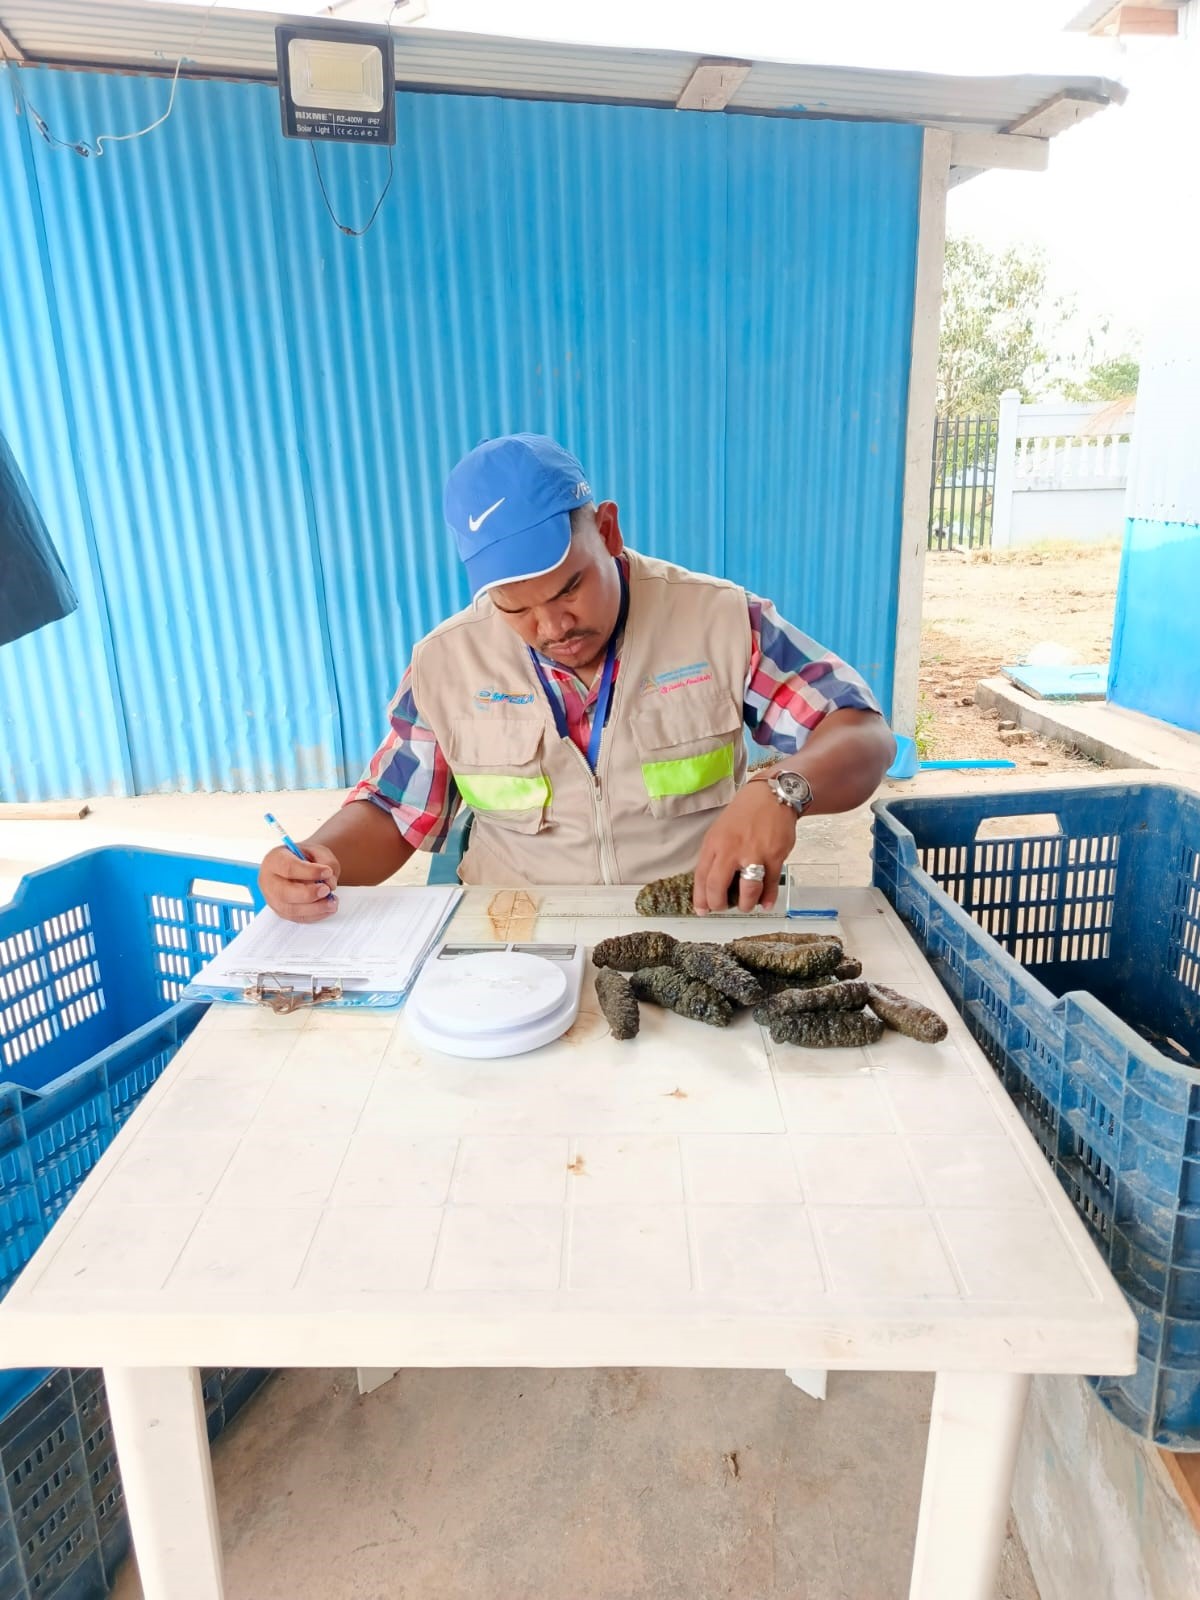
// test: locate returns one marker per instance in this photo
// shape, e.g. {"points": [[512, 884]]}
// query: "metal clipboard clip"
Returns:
{"points": [[284, 993]]}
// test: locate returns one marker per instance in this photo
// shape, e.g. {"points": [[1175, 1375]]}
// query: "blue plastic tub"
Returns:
{"points": [[1065, 923]]}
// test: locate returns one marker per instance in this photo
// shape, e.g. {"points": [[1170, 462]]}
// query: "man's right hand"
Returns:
{"points": [[301, 891]]}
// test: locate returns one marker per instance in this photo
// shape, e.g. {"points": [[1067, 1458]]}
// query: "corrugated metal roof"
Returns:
{"points": [[975, 104], [240, 43]]}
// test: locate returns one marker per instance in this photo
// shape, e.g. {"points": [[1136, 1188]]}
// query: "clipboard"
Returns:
{"points": [[367, 954]]}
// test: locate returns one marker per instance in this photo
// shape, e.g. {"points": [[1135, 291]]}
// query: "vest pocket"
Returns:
{"points": [[497, 767], [687, 743]]}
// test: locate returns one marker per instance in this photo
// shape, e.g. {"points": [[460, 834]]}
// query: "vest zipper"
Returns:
{"points": [[608, 859], [608, 867], [607, 864]]}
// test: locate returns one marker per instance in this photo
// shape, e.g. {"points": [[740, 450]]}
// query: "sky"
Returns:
{"points": [[1100, 210], [1078, 211]]}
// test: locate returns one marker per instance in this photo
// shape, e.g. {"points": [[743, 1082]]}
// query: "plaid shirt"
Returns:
{"points": [[791, 686]]}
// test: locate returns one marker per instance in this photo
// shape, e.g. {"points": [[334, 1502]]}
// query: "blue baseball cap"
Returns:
{"points": [[509, 503]]}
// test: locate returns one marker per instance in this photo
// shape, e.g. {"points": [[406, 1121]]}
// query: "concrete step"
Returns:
{"points": [[1105, 733]]}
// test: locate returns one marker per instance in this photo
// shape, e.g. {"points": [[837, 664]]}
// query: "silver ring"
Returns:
{"points": [[755, 872]]}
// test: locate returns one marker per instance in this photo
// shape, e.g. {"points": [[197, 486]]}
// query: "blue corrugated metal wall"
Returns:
{"points": [[164, 268], [1155, 665], [823, 229], [237, 421], [61, 728]]}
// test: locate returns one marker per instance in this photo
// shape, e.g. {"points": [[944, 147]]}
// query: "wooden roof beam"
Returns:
{"points": [[1125, 20], [10, 50], [712, 85]]}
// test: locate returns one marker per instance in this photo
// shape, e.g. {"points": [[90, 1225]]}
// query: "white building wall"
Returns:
{"points": [[1061, 472], [1097, 1513]]}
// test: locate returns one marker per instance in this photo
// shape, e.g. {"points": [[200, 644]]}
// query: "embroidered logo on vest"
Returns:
{"points": [[677, 678], [490, 697]]}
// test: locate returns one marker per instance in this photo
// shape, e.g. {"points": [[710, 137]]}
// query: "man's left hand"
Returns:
{"points": [[753, 828]]}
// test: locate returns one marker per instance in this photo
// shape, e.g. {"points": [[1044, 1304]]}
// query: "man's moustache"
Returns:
{"points": [[557, 644]]}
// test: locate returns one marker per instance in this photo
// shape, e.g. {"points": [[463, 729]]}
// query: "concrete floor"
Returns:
{"points": [[535, 1485], [591, 1485]]}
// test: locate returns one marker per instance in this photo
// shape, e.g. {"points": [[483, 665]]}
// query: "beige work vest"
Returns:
{"points": [[671, 757]]}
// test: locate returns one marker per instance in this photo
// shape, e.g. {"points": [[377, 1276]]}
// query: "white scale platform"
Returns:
{"points": [[486, 1001]]}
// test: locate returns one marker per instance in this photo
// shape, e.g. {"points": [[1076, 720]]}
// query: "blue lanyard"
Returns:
{"points": [[603, 694]]}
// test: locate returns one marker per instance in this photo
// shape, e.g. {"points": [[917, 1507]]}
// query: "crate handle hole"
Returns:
{"points": [[209, 889], [1037, 825]]}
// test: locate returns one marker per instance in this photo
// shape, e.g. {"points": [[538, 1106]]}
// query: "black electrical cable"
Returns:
{"points": [[354, 233], [343, 227], [22, 104]]}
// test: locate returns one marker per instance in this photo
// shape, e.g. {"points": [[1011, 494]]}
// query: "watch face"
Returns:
{"points": [[795, 788]]}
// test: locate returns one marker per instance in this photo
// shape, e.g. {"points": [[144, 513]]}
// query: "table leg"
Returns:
{"points": [[969, 1463], [162, 1448], [372, 1378]]}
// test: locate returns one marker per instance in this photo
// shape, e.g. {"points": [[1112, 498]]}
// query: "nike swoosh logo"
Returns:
{"points": [[475, 523]]}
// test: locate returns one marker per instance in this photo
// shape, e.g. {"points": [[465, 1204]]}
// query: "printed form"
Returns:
{"points": [[376, 941]]}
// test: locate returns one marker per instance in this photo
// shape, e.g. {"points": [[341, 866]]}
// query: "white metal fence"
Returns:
{"points": [[1061, 471]]}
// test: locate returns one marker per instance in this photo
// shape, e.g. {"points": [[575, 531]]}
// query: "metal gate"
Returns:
{"points": [[962, 482]]}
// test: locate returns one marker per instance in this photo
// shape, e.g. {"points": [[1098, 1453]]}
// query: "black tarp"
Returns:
{"points": [[34, 588]]}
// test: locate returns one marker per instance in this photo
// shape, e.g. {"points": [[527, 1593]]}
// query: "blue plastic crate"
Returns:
{"points": [[63, 1525], [1065, 924], [47, 1501], [94, 954], [51, 1139], [94, 947]]}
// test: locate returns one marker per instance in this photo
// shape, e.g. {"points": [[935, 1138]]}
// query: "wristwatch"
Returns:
{"points": [[791, 789]]}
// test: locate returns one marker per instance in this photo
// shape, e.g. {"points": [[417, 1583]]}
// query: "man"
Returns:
{"points": [[588, 706]]}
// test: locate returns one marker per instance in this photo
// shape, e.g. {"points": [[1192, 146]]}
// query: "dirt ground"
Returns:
{"points": [[985, 611]]}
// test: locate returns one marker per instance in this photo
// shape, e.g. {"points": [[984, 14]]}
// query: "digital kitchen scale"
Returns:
{"points": [[487, 1000]]}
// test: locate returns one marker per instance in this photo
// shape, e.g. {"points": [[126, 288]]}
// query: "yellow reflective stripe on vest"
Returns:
{"points": [[486, 791], [689, 775]]}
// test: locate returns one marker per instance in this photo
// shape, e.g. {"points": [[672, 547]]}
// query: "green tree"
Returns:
{"points": [[997, 325], [1114, 379]]}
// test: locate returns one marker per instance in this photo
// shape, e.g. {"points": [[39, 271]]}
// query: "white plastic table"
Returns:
{"points": [[314, 1190]]}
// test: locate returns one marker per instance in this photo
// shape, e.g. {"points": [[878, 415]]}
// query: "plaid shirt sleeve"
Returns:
{"points": [[409, 776], [793, 683]]}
